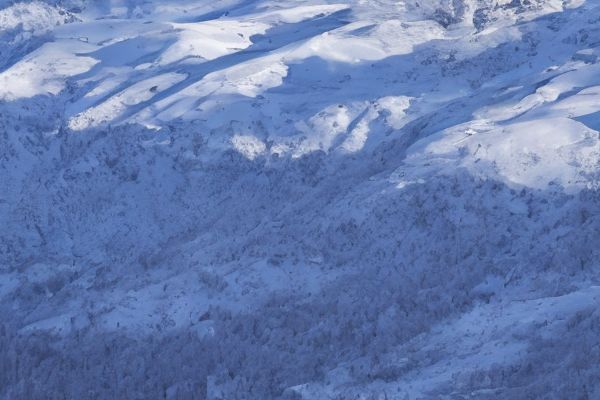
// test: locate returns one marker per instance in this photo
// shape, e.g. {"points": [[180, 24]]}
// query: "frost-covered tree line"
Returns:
{"points": [[408, 260], [162, 263]]}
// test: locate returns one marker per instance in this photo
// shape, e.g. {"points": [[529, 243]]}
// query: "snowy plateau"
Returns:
{"points": [[299, 199]]}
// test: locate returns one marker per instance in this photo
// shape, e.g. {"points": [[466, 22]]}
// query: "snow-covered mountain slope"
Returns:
{"points": [[302, 199]]}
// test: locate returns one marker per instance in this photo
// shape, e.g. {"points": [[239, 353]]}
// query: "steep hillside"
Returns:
{"points": [[299, 199]]}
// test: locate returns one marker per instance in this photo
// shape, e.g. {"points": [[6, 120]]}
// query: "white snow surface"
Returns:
{"points": [[300, 199]]}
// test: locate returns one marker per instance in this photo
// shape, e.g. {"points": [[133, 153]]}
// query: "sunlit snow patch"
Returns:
{"points": [[35, 17], [250, 146], [116, 105], [44, 71], [537, 153]]}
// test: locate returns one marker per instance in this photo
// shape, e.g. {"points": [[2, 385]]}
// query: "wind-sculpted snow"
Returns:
{"points": [[247, 199]]}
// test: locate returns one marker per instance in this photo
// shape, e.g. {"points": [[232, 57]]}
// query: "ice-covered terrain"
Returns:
{"points": [[300, 199]]}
